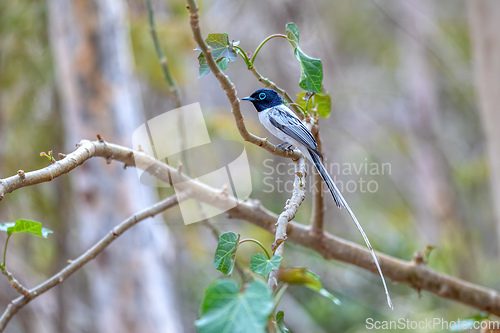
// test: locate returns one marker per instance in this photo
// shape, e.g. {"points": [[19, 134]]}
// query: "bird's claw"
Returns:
{"points": [[288, 149]]}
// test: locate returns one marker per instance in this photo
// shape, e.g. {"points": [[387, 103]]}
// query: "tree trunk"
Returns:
{"points": [[436, 204], [128, 288], [484, 18]]}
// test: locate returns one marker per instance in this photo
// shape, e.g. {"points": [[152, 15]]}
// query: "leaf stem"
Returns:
{"points": [[262, 44], [258, 243], [5, 250], [243, 55], [304, 112], [279, 295]]}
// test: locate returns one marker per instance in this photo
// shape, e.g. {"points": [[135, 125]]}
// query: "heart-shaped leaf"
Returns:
{"points": [[222, 52], [311, 76], [263, 266], [226, 251], [226, 308]]}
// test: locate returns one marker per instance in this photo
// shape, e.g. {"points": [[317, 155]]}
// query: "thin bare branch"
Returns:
{"points": [[14, 283], [90, 254], [291, 208], [167, 75], [172, 85], [175, 90]]}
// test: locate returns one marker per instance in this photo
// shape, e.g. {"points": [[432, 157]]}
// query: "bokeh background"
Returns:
{"points": [[410, 89]]}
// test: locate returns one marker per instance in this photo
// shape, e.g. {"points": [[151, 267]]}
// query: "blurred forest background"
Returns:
{"points": [[413, 86]]}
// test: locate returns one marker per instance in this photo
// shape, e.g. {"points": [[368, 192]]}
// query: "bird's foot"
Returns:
{"points": [[288, 149]]}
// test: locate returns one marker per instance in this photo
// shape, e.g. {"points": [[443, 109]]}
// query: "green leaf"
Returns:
{"points": [[311, 76], [25, 226], [280, 322], [320, 103], [226, 251], [227, 309], [263, 266], [204, 69], [222, 63], [323, 104], [292, 34], [303, 276], [222, 52]]}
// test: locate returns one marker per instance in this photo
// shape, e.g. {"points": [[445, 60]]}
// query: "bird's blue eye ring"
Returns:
{"points": [[262, 96]]}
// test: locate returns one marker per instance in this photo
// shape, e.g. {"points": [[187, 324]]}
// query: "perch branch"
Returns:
{"points": [[229, 88]]}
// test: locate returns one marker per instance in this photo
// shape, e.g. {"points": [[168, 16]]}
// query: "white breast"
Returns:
{"points": [[264, 119]]}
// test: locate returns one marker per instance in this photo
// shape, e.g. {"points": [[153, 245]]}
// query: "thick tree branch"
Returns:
{"points": [[230, 90], [413, 273], [90, 254], [291, 208]]}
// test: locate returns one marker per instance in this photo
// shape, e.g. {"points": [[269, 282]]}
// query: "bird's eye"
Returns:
{"points": [[262, 96]]}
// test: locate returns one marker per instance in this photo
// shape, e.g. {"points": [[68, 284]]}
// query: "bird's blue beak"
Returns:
{"points": [[251, 99]]}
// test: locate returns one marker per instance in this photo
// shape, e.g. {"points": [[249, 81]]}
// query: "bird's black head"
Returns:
{"points": [[264, 99]]}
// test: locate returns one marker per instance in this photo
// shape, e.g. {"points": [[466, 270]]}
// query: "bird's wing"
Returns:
{"points": [[284, 121]]}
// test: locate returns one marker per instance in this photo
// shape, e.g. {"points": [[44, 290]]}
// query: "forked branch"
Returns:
{"points": [[413, 273], [18, 303]]}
